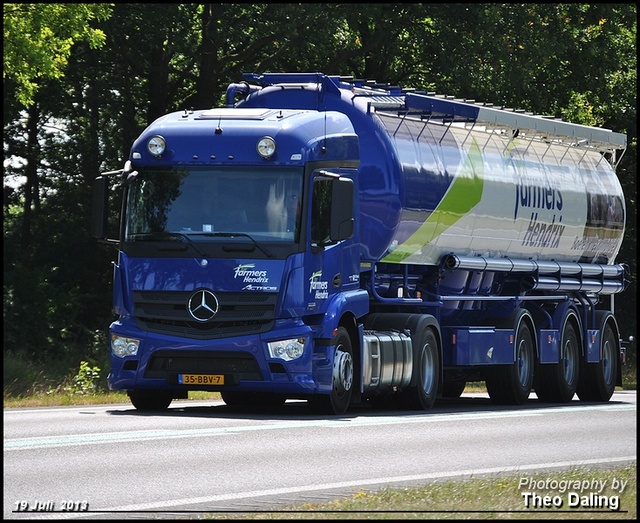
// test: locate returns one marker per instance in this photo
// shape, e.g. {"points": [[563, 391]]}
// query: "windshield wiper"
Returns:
{"points": [[166, 235], [228, 248]]}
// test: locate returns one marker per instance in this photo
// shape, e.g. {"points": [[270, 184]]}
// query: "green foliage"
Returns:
{"points": [[24, 376], [38, 40], [20, 375], [85, 381]]}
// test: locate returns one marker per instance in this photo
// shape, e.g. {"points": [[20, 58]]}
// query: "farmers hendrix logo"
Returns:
{"points": [[248, 274], [321, 288]]}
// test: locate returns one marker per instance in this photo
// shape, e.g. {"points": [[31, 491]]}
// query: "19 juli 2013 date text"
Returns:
{"points": [[51, 506]]}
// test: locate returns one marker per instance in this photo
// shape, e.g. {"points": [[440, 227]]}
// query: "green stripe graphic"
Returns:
{"points": [[463, 195]]}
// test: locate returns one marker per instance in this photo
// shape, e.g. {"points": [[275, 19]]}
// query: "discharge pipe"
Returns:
{"points": [[605, 279]]}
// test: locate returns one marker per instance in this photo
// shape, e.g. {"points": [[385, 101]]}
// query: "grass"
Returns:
{"points": [[58, 399], [491, 497]]}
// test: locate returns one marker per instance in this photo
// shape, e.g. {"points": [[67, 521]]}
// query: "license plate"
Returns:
{"points": [[201, 379]]}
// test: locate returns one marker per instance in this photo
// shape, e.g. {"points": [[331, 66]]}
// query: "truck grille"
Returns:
{"points": [[235, 366], [239, 313]]}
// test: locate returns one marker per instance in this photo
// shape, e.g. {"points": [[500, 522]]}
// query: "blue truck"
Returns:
{"points": [[346, 242]]}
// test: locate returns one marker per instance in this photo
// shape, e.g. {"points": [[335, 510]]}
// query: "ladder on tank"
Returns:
{"points": [[480, 116]]}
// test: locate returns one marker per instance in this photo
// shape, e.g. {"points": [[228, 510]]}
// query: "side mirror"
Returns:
{"points": [[332, 209], [342, 220]]}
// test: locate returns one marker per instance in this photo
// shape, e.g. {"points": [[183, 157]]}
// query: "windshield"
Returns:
{"points": [[204, 201]]}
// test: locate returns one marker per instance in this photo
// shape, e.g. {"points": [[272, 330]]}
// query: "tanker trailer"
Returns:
{"points": [[503, 226], [438, 241]]}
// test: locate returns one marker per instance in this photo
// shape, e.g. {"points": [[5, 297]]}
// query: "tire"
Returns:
{"points": [[512, 384], [252, 399], [154, 400], [557, 383], [426, 370], [598, 380], [338, 401]]}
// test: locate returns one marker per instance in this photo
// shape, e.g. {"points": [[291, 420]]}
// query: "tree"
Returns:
{"points": [[39, 38]]}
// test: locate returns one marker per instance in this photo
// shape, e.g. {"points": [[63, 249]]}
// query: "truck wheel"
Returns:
{"points": [[150, 399], [427, 369], [598, 380], [557, 382], [511, 384], [234, 398], [337, 402]]}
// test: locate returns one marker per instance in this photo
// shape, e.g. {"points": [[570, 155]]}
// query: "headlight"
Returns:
{"points": [[286, 349], [156, 145], [266, 147], [122, 347]]}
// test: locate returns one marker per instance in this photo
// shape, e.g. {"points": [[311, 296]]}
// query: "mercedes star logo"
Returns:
{"points": [[202, 305]]}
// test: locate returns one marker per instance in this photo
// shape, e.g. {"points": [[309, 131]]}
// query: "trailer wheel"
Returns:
{"points": [[337, 402], [511, 384], [557, 383], [598, 380], [150, 399], [427, 366]]}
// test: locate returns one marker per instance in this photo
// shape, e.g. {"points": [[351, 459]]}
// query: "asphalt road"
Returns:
{"points": [[113, 462]]}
